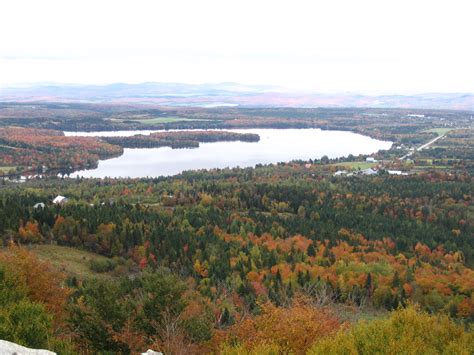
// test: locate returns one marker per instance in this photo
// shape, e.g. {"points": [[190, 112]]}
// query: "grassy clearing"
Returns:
{"points": [[166, 120], [144, 119], [355, 165], [6, 169], [430, 167], [72, 261], [439, 131]]}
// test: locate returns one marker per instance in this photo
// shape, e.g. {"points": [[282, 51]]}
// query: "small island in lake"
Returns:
{"points": [[180, 139]]}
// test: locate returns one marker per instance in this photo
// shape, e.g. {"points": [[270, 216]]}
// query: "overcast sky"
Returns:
{"points": [[362, 46]]}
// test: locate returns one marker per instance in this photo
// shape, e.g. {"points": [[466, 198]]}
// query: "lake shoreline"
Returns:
{"points": [[276, 145]]}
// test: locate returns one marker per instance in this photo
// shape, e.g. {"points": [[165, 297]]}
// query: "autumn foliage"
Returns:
{"points": [[32, 149], [292, 330], [44, 284], [406, 331]]}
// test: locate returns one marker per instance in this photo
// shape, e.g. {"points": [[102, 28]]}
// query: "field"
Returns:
{"points": [[72, 261], [355, 165], [439, 131], [6, 169], [159, 120], [153, 120]]}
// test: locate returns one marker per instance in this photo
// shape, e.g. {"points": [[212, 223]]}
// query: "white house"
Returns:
{"points": [[369, 171], [60, 200], [370, 160], [396, 172], [340, 172], [39, 205]]}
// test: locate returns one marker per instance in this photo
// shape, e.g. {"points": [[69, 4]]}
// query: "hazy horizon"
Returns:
{"points": [[266, 88]]}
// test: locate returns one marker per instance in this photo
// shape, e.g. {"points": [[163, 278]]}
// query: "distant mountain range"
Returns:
{"points": [[225, 94]]}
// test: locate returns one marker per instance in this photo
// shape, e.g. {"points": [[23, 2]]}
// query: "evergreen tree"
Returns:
{"points": [[311, 250], [368, 284]]}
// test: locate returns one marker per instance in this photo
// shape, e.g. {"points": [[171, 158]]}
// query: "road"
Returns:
{"points": [[422, 147]]}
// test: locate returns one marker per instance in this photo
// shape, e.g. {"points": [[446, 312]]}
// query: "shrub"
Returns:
{"points": [[25, 323], [102, 265], [292, 330], [407, 331]]}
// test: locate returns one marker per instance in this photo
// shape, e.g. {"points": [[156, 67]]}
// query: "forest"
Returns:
{"points": [[180, 139], [218, 261], [39, 150], [300, 257], [46, 151]]}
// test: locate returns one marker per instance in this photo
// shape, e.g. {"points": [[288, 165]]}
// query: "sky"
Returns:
{"points": [[380, 46]]}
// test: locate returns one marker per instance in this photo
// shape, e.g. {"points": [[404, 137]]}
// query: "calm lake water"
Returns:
{"points": [[275, 145]]}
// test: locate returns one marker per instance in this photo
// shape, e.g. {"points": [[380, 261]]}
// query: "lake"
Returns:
{"points": [[275, 145]]}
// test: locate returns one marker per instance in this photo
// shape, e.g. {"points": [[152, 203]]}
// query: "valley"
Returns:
{"points": [[236, 254]]}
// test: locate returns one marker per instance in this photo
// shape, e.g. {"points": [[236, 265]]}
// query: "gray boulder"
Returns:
{"points": [[9, 348]]}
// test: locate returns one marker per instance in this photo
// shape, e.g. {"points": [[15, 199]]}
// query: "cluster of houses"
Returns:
{"points": [[368, 172], [58, 200]]}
